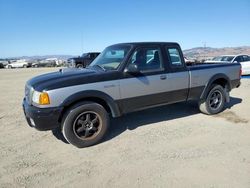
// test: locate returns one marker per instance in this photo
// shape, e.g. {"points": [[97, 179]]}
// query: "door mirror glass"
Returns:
{"points": [[132, 68]]}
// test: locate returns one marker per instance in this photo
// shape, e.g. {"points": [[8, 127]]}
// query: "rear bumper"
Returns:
{"points": [[235, 83], [42, 118]]}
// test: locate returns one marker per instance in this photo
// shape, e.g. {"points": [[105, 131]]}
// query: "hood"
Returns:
{"points": [[67, 77]]}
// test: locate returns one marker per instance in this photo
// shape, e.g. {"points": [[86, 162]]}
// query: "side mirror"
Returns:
{"points": [[132, 68]]}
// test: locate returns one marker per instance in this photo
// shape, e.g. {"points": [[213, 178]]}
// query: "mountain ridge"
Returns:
{"points": [[209, 52], [198, 53]]}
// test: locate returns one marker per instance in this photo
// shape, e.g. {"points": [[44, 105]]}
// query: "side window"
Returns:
{"points": [[246, 58], [239, 59], [175, 58], [147, 59]]}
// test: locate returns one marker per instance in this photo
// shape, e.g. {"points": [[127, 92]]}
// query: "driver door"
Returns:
{"points": [[148, 86]]}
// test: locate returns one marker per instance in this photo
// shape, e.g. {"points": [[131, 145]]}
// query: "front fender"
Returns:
{"points": [[80, 96]]}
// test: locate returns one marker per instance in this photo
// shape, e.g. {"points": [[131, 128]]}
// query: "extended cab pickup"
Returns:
{"points": [[123, 78]]}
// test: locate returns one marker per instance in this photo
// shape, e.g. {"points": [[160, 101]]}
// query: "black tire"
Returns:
{"points": [[9, 67], [214, 102], [24, 66], [79, 66], [85, 124]]}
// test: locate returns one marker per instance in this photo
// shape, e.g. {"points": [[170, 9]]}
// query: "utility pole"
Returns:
{"points": [[81, 42], [204, 44]]}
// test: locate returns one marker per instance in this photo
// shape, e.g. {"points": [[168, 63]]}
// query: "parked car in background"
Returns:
{"points": [[3, 63], [244, 60], [44, 63], [20, 63], [221, 59], [190, 60], [82, 61]]}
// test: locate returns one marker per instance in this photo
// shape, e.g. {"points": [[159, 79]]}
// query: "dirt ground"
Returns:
{"points": [[172, 146]]}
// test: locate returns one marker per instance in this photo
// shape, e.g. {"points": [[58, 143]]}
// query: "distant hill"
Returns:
{"points": [[62, 57], [208, 52], [199, 53]]}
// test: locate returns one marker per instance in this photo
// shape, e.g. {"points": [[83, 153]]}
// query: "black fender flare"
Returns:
{"points": [[210, 82], [79, 96]]}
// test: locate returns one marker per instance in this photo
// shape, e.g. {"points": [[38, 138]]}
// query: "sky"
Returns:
{"points": [[71, 27]]}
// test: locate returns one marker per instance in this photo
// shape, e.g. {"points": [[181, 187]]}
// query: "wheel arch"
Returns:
{"points": [[94, 96], [220, 79]]}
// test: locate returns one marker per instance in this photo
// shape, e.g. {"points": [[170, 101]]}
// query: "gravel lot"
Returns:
{"points": [[172, 146]]}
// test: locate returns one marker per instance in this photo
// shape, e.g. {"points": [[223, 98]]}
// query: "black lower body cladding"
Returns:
{"points": [[235, 83], [42, 118]]}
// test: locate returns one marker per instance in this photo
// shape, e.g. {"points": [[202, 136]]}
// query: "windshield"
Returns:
{"points": [[84, 55], [217, 58], [227, 58], [111, 57]]}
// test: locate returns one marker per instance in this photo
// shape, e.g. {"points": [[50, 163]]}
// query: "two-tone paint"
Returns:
{"points": [[123, 93]]}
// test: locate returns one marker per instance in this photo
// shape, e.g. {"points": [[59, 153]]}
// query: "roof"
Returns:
{"points": [[146, 43]]}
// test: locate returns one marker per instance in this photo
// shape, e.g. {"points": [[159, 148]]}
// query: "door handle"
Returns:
{"points": [[163, 77]]}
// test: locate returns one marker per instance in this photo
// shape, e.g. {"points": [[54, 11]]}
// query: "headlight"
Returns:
{"points": [[41, 98]]}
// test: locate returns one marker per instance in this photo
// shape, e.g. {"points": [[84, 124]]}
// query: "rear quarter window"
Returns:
{"points": [[174, 57]]}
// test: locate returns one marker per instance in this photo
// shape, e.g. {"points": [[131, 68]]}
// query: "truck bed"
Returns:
{"points": [[209, 65], [202, 73]]}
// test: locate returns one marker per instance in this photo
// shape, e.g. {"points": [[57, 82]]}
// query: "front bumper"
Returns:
{"points": [[42, 118]]}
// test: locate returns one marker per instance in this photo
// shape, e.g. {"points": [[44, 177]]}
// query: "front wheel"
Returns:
{"points": [[85, 124], [214, 102], [79, 66]]}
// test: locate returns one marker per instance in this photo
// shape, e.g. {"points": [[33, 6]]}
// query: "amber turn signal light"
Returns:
{"points": [[44, 99]]}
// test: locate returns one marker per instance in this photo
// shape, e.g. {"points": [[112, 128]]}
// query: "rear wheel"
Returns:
{"points": [[85, 124], [214, 102]]}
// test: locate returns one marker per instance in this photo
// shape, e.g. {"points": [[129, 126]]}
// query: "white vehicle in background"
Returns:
{"points": [[244, 60], [20, 63], [3, 63], [55, 60], [221, 59], [189, 60]]}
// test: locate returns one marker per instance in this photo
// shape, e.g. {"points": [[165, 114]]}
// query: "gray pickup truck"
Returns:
{"points": [[123, 78]]}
